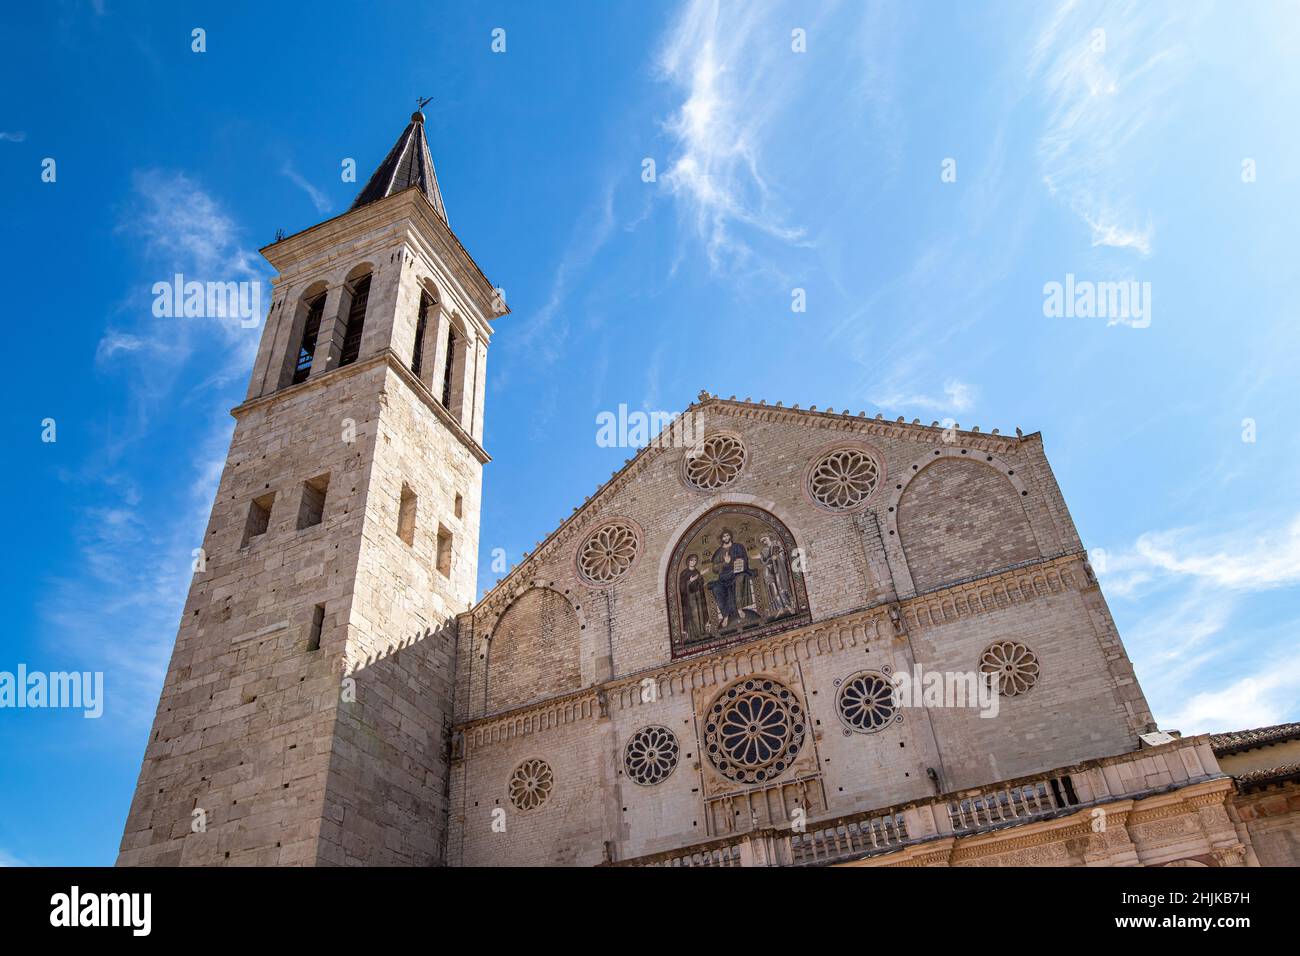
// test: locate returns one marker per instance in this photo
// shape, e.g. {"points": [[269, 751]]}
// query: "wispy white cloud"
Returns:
{"points": [[654, 379], [135, 569], [547, 328], [181, 228], [1106, 232], [956, 397], [182, 224], [722, 62], [1105, 74], [135, 550], [1266, 696], [16, 137], [113, 342], [1190, 589], [1260, 558], [321, 201]]}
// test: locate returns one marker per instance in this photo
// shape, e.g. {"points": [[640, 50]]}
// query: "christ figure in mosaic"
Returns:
{"points": [[734, 588]]}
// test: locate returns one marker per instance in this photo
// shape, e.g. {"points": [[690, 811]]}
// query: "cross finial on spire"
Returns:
{"points": [[422, 101]]}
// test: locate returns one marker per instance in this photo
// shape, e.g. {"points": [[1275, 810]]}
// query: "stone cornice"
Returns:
{"points": [[525, 721], [410, 203], [335, 375], [828, 636], [955, 602]]}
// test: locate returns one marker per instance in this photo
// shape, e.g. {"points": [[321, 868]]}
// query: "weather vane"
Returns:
{"points": [[421, 101]]}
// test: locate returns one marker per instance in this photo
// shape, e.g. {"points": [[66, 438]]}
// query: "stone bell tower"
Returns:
{"points": [[305, 711]]}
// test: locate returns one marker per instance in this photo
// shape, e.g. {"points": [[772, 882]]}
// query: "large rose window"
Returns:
{"points": [[754, 731]]}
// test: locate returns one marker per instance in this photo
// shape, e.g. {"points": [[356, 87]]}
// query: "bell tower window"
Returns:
{"points": [[446, 372], [421, 326], [310, 331], [356, 322]]}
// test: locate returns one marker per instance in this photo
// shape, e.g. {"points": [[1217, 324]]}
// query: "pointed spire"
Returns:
{"points": [[407, 164]]}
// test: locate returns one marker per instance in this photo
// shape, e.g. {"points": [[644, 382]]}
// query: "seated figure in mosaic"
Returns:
{"points": [[734, 588]]}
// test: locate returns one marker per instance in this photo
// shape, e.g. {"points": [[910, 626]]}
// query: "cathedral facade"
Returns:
{"points": [[777, 636]]}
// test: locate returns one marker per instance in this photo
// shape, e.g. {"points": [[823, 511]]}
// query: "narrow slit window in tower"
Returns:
{"points": [[312, 508], [317, 626], [259, 517], [444, 551], [406, 515]]}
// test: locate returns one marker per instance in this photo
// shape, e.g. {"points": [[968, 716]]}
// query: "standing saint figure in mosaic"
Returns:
{"points": [[694, 601], [776, 576]]}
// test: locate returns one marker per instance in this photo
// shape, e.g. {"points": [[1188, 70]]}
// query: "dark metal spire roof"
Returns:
{"points": [[407, 164]]}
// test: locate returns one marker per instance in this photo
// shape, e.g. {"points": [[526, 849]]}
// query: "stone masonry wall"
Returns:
{"points": [[534, 651], [961, 519], [386, 795], [246, 716], [1086, 705]]}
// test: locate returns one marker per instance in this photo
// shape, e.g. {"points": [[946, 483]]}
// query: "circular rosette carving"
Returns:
{"points": [[754, 731], [865, 703], [608, 553], [714, 463], [843, 479], [1015, 665], [531, 784], [651, 755]]}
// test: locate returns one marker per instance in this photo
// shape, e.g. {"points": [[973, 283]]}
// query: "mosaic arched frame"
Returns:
{"points": [[733, 592]]}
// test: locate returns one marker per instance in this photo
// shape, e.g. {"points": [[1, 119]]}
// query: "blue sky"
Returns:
{"points": [[1113, 157]]}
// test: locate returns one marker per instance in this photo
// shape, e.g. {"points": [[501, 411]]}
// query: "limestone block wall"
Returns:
{"points": [[308, 701], [867, 771], [1070, 714], [960, 519], [1272, 818], [849, 771], [386, 795], [534, 650], [569, 826], [246, 715], [854, 560], [386, 791]]}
